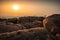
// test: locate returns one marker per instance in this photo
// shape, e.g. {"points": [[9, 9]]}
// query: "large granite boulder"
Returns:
{"points": [[52, 24]]}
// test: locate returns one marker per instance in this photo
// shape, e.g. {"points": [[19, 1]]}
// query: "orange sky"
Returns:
{"points": [[28, 8]]}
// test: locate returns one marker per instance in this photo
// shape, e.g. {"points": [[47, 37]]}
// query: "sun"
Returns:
{"points": [[15, 7]]}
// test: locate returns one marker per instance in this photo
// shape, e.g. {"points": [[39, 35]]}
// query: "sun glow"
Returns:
{"points": [[15, 7]]}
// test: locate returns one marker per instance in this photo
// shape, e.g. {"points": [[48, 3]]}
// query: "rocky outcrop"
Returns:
{"points": [[52, 25]]}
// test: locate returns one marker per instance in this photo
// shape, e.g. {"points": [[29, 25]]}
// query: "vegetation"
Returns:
{"points": [[30, 28]]}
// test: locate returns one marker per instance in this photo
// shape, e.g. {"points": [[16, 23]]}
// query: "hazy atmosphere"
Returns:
{"points": [[29, 20], [28, 8]]}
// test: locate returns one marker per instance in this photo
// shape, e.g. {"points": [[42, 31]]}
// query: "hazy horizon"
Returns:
{"points": [[29, 8]]}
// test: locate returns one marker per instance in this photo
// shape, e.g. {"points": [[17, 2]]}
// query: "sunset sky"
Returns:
{"points": [[28, 8]]}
